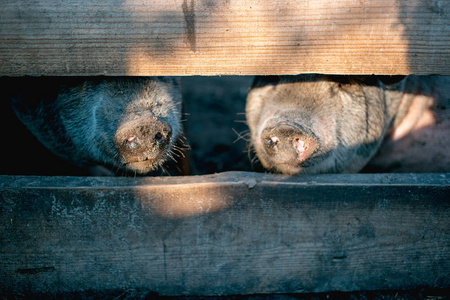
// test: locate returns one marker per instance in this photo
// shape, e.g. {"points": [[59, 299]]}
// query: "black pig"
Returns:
{"points": [[128, 125]]}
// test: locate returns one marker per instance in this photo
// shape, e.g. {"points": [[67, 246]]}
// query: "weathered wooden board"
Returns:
{"points": [[224, 37], [229, 233]]}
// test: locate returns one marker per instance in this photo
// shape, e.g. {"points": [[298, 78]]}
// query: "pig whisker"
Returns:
{"points": [[251, 152], [179, 170], [178, 153], [171, 156], [182, 138], [182, 143], [254, 160], [182, 146], [164, 170], [244, 135]]}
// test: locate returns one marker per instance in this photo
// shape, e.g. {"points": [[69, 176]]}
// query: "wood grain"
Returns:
{"points": [[224, 37], [229, 233]]}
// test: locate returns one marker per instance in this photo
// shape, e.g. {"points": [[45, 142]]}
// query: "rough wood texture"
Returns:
{"points": [[223, 37], [230, 233]]}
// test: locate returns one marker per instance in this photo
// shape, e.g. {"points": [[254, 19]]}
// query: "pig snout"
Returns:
{"points": [[143, 144], [288, 143]]}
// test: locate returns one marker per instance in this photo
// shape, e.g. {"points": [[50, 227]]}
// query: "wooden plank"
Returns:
{"points": [[192, 37], [229, 233]]}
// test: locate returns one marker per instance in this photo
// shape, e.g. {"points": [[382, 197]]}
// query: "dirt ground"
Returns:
{"points": [[215, 124]]}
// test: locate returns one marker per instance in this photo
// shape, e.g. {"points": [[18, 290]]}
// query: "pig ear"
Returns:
{"points": [[261, 81], [387, 80]]}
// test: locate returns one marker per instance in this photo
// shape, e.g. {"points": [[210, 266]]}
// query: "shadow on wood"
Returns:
{"points": [[229, 233], [193, 37]]}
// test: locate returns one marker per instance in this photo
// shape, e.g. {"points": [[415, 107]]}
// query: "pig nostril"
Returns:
{"points": [[271, 142], [300, 145], [131, 141], [159, 137]]}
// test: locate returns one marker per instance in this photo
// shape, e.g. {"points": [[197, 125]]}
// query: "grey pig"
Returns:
{"points": [[124, 125], [310, 124]]}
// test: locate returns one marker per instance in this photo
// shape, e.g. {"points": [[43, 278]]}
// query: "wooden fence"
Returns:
{"points": [[223, 37], [229, 233]]}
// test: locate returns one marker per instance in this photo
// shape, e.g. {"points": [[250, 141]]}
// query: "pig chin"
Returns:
{"points": [[142, 167], [294, 167], [322, 163], [143, 164]]}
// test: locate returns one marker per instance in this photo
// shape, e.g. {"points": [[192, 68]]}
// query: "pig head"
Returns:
{"points": [[127, 124], [310, 124]]}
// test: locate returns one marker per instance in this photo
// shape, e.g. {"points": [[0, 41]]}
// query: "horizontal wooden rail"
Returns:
{"points": [[193, 37], [229, 233]]}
